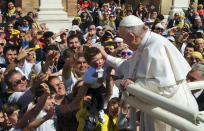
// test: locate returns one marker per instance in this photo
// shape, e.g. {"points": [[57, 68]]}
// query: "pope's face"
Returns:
{"points": [[129, 38]]}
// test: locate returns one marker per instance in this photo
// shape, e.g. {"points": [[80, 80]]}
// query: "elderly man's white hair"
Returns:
{"points": [[199, 67], [133, 24]]}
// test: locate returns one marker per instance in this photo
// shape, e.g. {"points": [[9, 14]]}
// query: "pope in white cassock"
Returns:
{"points": [[155, 65]]}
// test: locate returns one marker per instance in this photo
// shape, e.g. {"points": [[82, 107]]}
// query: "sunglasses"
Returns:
{"points": [[197, 59], [17, 82], [1, 44], [126, 53]]}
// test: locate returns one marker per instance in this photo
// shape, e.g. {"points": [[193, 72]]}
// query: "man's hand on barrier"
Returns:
{"points": [[125, 83]]}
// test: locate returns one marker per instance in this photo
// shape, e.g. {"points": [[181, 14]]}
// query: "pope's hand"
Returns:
{"points": [[101, 48], [125, 83]]}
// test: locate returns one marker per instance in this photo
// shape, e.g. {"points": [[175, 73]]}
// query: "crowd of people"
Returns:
{"points": [[68, 85]]}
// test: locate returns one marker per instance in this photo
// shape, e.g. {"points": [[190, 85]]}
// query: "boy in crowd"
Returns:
{"points": [[95, 77]]}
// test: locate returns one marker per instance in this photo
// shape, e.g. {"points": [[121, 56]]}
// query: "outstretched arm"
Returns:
{"points": [[35, 111], [34, 124]]}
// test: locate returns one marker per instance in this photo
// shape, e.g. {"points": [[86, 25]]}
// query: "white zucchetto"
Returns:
{"points": [[131, 20]]}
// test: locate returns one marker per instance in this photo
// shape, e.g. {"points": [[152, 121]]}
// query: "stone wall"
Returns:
{"points": [[29, 5]]}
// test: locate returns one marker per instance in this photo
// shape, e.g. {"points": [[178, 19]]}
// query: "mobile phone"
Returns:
{"points": [[43, 68]]}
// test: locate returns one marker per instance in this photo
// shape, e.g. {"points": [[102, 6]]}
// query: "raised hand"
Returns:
{"points": [[125, 83], [46, 88], [22, 53]]}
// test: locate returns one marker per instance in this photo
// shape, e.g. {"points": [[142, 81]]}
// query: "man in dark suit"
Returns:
{"points": [[197, 74], [173, 22]]}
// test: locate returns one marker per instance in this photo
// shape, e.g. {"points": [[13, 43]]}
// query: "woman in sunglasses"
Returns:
{"points": [[126, 53], [196, 58]]}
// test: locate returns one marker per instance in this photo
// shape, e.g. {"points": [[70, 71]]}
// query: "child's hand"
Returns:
{"points": [[87, 101]]}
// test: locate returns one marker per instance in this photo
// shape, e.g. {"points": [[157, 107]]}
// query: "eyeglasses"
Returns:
{"points": [[17, 82], [195, 58], [58, 84], [10, 26], [126, 53], [106, 14]]}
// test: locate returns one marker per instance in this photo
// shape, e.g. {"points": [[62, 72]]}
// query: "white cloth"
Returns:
{"points": [[26, 69], [69, 83], [47, 125], [161, 68], [13, 129]]}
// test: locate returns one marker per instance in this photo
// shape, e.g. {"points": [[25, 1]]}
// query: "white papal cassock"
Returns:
{"points": [[157, 66]]}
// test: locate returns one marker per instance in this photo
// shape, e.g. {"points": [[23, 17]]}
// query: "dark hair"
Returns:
{"points": [[8, 77], [51, 47], [10, 47], [28, 18], [48, 34], [50, 78], [23, 32], [63, 34], [91, 25], [75, 22], [9, 108], [114, 100], [160, 16], [40, 90], [72, 37], [30, 12], [90, 52], [11, 1], [190, 45]]}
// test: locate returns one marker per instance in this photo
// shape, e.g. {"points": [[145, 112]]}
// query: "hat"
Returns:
{"points": [[159, 26], [171, 38], [199, 39], [131, 20], [118, 8], [197, 54], [99, 27], [74, 28], [107, 27], [200, 5], [197, 18], [128, 50], [118, 39], [77, 18]]}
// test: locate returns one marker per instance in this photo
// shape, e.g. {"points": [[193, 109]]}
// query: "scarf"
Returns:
{"points": [[75, 75], [11, 11]]}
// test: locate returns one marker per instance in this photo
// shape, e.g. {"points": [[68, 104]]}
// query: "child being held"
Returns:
{"points": [[95, 77]]}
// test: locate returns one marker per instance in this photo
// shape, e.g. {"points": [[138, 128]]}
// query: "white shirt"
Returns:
{"points": [[69, 83], [47, 125]]}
